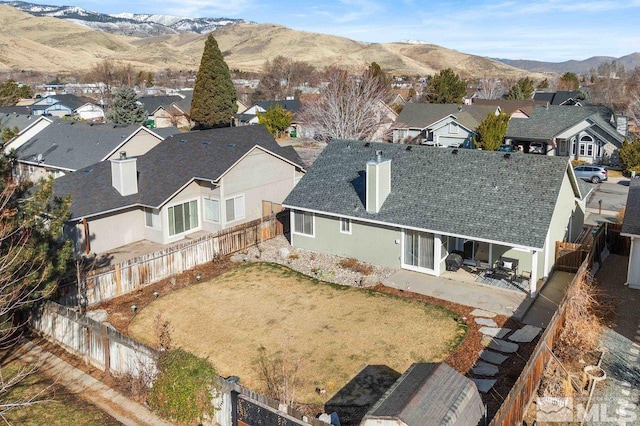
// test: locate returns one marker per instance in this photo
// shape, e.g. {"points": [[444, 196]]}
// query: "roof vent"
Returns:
{"points": [[455, 151], [206, 142], [123, 155], [231, 145], [409, 147], [182, 140], [507, 155], [367, 145]]}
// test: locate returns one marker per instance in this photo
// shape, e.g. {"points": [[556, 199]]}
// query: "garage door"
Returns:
{"points": [[448, 141]]}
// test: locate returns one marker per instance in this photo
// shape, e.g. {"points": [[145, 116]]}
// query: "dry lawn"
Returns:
{"points": [[335, 330]]}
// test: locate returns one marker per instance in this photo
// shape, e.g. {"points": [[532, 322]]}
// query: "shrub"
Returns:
{"points": [[576, 163], [184, 387], [354, 265]]}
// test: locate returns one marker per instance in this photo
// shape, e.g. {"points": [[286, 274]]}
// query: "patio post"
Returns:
{"points": [[534, 274]]}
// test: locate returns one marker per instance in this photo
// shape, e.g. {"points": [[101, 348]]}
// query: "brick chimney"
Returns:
{"points": [[378, 186], [124, 174]]}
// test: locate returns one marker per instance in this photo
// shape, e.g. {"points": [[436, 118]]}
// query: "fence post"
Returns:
{"points": [[107, 350]]}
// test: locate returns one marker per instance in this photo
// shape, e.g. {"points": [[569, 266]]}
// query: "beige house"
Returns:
{"points": [[193, 182]]}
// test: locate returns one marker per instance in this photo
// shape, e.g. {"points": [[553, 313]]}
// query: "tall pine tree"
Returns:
{"points": [[125, 109], [214, 96]]}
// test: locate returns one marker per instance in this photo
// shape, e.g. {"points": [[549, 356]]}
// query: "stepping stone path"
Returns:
{"points": [[482, 368], [501, 346], [484, 385], [526, 334], [482, 313], [492, 357], [486, 322], [494, 331]]}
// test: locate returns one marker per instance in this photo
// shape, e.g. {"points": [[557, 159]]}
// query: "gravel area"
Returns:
{"points": [[320, 265]]}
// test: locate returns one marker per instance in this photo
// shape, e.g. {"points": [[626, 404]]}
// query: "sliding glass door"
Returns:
{"points": [[418, 251]]}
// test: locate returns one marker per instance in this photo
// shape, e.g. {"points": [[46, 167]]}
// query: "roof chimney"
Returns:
{"points": [[378, 182], [124, 174]]}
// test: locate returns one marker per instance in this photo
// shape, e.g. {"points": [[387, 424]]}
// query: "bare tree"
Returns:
{"points": [[490, 88], [348, 107]]}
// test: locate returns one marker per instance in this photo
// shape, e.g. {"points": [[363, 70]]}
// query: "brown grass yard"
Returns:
{"points": [[335, 330]]}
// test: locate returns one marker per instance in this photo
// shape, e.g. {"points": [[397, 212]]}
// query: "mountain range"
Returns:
{"points": [[71, 39]]}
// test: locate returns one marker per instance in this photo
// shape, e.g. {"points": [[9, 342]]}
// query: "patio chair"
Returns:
{"points": [[506, 267]]}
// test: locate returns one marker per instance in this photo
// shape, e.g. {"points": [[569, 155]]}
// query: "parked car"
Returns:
{"points": [[593, 174], [507, 148], [537, 148]]}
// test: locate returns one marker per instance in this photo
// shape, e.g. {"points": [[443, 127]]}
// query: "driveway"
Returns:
{"points": [[606, 200]]}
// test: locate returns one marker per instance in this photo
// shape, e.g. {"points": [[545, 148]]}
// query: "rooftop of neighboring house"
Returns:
{"points": [[21, 121], [509, 106], [292, 105], [73, 102], [547, 121], [20, 110], [72, 145], [422, 115], [484, 195], [559, 97], [152, 103], [165, 169], [631, 222]]}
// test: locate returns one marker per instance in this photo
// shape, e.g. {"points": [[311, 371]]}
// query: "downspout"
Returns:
{"points": [[87, 242]]}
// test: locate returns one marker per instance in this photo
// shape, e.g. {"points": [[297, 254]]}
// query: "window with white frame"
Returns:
{"points": [[183, 217], [235, 208], [586, 146], [573, 146], [303, 223], [211, 210], [583, 149], [345, 226], [152, 218]]}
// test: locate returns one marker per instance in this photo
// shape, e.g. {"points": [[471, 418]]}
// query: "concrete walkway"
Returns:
{"points": [[115, 404], [517, 305]]}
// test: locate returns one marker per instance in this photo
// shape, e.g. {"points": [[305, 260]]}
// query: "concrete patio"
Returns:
{"points": [[463, 289]]}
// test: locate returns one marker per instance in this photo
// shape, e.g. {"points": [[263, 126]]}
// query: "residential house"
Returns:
{"points": [[68, 105], [168, 110], [585, 133], [65, 146], [201, 181], [447, 125], [16, 121], [631, 229], [561, 97], [406, 206], [250, 115]]}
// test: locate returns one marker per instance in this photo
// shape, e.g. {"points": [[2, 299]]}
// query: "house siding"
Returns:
{"points": [[566, 206], [259, 176], [375, 244], [193, 191], [633, 274], [138, 145], [116, 231]]}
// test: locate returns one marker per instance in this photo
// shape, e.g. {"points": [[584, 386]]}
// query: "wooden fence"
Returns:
{"points": [[122, 278], [513, 408], [101, 346], [570, 256]]}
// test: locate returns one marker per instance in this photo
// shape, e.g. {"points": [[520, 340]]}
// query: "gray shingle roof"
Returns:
{"points": [[21, 121], [477, 194], [166, 168], [71, 101], [547, 122], [631, 223], [422, 115], [558, 97], [431, 394], [72, 145], [292, 105]]}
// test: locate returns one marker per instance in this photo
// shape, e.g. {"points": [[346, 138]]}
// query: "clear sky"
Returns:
{"points": [[545, 30]]}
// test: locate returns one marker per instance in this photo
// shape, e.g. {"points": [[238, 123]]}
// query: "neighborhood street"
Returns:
{"points": [[606, 200]]}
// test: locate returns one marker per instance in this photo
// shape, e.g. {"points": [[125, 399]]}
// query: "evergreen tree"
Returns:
{"points": [[629, 154], [125, 108], [446, 87], [490, 133], [522, 90], [214, 96], [544, 84], [568, 81], [11, 92], [276, 119]]}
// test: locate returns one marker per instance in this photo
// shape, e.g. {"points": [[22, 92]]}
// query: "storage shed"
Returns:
{"points": [[428, 394]]}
